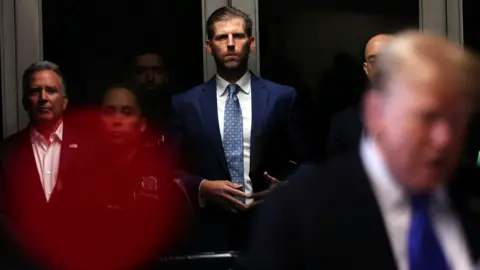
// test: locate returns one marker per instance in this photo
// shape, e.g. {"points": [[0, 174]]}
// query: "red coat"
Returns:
{"points": [[38, 226]]}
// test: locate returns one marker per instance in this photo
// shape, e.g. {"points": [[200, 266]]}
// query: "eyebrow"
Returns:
{"points": [[119, 106], [150, 66], [43, 85], [233, 34], [46, 87]]}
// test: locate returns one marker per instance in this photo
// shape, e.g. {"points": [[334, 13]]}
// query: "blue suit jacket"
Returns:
{"points": [[277, 134]]}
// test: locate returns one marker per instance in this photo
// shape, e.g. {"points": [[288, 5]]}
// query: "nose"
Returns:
{"points": [[150, 75], [117, 120], [43, 95], [443, 134], [231, 42]]}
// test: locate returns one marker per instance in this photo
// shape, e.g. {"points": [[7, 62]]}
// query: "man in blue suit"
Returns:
{"points": [[239, 135]]}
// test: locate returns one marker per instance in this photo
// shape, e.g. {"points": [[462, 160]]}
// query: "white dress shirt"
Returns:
{"points": [[47, 157], [245, 99], [396, 210]]}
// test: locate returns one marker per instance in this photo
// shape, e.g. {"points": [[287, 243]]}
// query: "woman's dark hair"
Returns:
{"points": [[129, 88]]}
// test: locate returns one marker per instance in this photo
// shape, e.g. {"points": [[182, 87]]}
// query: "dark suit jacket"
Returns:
{"points": [[276, 137], [37, 224], [328, 218], [472, 141], [345, 131]]}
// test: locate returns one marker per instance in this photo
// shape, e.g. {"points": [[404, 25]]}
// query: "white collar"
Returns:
{"points": [[243, 83], [388, 189], [58, 134]]}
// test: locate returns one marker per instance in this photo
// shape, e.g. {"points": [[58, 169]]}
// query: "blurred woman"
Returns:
{"points": [[136, 211]]}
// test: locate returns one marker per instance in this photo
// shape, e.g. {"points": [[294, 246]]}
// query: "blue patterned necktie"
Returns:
{"points": [[424, 250], [233, 137]]}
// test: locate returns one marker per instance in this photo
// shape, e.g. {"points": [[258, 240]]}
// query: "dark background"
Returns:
{"points": [[92, 40]]}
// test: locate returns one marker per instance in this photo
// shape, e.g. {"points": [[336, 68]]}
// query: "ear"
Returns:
{"points": [[365, 68], [208, 46], [252, 44], [65, 103]]}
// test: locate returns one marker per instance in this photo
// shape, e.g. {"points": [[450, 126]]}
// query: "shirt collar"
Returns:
{"points": [[243, 83], [58, 134], [387, 189]]}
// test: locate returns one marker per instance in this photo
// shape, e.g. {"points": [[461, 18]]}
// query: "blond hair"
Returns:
{"points": [[427, 56]]}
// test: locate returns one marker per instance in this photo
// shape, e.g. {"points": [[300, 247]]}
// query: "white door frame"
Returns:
{"points": [[455, 20], [21, 37], [444, 17], [251, 8], [9, 67], [208, 7]]}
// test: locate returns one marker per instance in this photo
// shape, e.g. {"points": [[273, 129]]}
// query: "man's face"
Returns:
{"points": [[369, 66], [45, 100], [374, 46], [121, 117], [419, 127], [230, 45], [150, 71]]}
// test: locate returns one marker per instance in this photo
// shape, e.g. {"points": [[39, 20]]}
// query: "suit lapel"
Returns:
{"points": [[67, 155], [466, 204], [209, 112], [376, 244], [260, 98], [28, 169]]}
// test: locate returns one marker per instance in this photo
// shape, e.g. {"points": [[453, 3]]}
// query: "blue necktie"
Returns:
{"points": [[424, 250], [233, 137]]}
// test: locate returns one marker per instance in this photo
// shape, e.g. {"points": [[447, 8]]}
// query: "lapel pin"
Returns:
{"points": [[73, 145]]}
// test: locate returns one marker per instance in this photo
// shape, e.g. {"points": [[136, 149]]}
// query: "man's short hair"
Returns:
{"points": [[41, 66], [148, 50], [228, 13], [412, 49]]}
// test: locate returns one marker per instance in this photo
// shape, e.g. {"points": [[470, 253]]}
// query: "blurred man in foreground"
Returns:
{"points": [[393, 205]]}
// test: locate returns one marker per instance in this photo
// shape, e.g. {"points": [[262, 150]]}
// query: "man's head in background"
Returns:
{"points": [[149, 71], [44, 95], [230, 40], [422, 95], [373, 47]]}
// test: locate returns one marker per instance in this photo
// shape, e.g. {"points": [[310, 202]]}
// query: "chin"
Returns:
{"points": [[231, 65], [429, 182], [116, 142], [45, 119]]}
